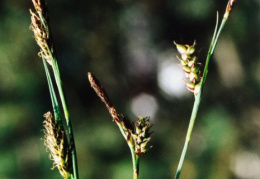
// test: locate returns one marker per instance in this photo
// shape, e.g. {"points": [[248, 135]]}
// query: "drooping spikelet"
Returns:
{"points": [[190, 66], [56, 141]]}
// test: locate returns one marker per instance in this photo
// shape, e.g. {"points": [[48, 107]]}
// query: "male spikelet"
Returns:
{"points": [[56, 141], [190, 66], [40, 28], [137, 135]]}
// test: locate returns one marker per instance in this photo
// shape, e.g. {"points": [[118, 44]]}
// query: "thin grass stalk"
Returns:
{"points": [[135, 161], [65, 172], [58, 81], [136, 167], [135, 158], [196, 105], [67, 116], [203, 80], [54, 100], [55, 104]]}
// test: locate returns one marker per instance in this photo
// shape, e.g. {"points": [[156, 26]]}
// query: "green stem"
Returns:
{"points": [[67, 117], [55, 104], [198, 97], [188, 136], [135, 159]]}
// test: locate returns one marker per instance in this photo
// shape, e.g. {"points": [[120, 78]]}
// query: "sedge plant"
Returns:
{"points": [[60, 143], [137, 135], [59, 137], [196, 82]]}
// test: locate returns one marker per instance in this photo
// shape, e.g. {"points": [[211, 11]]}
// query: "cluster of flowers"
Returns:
{"points": [[56, 141], [142, 135], [138, 134], [190, 66], [40, 28]]}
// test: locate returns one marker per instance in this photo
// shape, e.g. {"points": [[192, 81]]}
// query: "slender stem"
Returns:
{"points": [[188, 136], [58, 81], [198, 97], [55, 104], [218, 34], [67, 117], [135, 159], [137, 166], [60, 89]]}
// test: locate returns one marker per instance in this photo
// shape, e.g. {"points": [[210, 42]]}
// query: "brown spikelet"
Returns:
{"points": [[56, 141], [95, 84], [40, 28]]}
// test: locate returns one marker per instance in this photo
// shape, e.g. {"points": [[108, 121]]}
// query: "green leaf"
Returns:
{"points": [[55, 104]]}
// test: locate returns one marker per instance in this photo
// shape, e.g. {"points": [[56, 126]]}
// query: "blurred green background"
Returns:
{"points": [[128, 45]]}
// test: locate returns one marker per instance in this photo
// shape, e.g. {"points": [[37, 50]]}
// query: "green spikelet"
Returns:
{"points": [[142, 136], [190, 66]]}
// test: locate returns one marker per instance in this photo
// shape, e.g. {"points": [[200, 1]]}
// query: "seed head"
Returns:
{"points": [[40, 28], [189, 65], [56, 141], [142, 135]]}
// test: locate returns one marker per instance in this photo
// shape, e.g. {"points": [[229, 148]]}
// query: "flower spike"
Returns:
{"points": [[190, 66], [56, 141]]}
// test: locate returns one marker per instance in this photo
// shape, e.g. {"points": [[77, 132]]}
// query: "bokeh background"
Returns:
{"points": [[128, 45]]}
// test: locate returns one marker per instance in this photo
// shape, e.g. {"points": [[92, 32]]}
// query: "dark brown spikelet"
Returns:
{"points": [[95, 84]]}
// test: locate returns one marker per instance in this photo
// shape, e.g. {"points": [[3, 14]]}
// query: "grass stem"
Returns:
{"points": [[67, 116], [213, 44], [136, 167]]}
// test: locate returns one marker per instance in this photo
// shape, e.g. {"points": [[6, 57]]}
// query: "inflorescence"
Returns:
{"points": [[190, 66]]}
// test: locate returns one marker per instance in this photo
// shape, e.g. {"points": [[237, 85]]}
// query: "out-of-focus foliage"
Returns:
{"points": [[128, 45]]}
